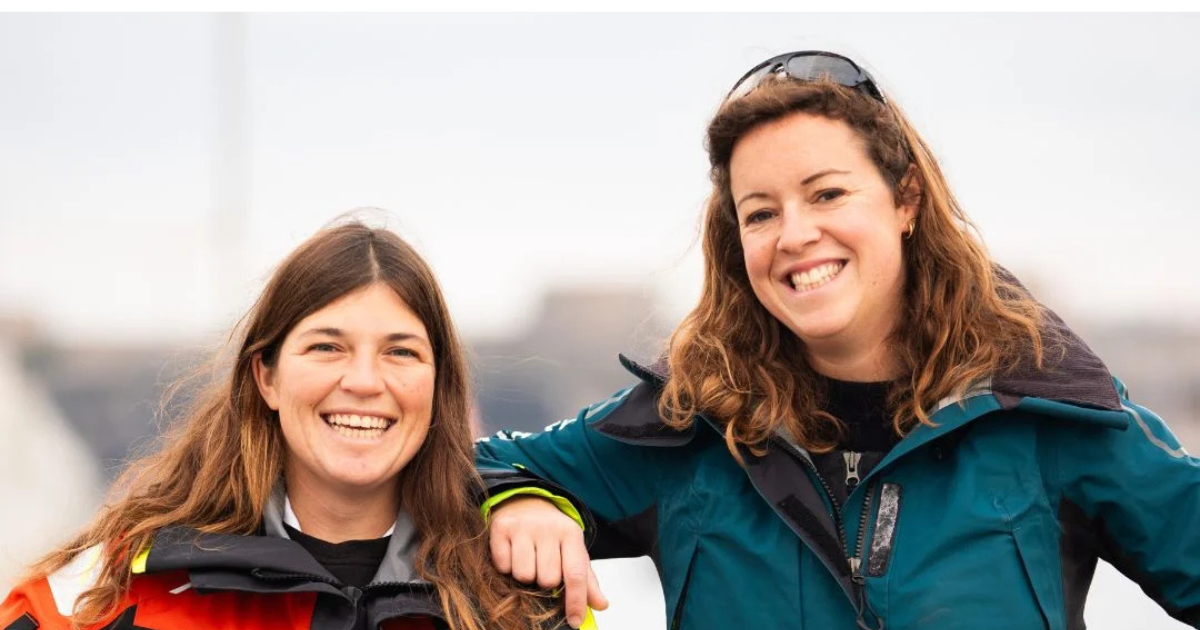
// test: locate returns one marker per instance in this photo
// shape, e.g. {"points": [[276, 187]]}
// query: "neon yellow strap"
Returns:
{"points": [[139, 561], [561, 503], [589, 621]]}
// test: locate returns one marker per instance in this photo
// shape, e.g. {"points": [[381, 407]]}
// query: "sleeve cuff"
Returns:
{"points": [[562, 503]]}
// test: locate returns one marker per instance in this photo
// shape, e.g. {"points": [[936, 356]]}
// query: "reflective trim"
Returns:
{"points": [[602, 408], [75, 577], [1178, 453], [139, 562], [883, 538], [980, 388]]}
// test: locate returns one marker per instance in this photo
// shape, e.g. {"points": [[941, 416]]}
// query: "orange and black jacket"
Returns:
{"points": [[199, 581], [187, 580]]}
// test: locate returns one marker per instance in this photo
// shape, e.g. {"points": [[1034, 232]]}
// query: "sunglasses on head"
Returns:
{"points": [[808, 65]]}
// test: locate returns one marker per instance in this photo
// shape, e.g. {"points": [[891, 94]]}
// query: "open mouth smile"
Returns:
{"points": [[358, 427], [816, 277]]}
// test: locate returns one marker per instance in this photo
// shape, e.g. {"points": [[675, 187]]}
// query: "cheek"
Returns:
{"points": [[305, 388], [757, 257], [415, 393], [885, 270]]}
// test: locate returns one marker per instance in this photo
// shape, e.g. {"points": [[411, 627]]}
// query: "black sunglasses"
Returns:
{"points": [[809, 65]]}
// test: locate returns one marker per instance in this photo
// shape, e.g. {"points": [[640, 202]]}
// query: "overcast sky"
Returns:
{"points": [[522, 152]]}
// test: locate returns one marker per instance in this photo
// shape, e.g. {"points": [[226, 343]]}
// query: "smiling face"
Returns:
{"points": [[353, 384], [821, 234]]}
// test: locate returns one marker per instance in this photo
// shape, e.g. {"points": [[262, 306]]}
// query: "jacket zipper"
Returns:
{"points": [[852, 477], [836, 511], [295, 575], [855, 560]]}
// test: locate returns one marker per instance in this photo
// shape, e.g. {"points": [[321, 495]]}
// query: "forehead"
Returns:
{"points": [[799, 140], [372, 310]]}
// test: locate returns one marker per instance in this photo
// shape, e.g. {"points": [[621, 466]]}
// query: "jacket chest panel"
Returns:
{"points": [[718, 535], [970, 538]]}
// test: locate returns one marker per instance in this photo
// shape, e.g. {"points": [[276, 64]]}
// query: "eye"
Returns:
{"points": [[830, 194], [758, 216], [322, 347], [403, 352]]}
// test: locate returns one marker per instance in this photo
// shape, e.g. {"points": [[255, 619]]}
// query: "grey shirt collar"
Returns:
{"points": [[398, 563]]}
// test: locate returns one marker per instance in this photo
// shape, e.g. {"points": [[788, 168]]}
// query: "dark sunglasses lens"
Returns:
{"points": [[813, 67]]}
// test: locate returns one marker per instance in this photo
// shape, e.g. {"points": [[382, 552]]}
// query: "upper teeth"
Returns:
{"points": [[816, 276], [358, 422]]}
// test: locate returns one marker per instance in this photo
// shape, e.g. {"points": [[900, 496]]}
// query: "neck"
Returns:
{"points": [[867, 363], [340, 516]]}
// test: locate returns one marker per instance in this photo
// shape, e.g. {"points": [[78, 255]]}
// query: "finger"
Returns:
{"points": [[576, 567], [595, 598], [501, 551], [549, 565], [524, 560]]}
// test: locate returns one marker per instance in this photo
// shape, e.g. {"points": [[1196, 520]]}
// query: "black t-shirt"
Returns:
{"points": [[862, 408], [354, 562]]}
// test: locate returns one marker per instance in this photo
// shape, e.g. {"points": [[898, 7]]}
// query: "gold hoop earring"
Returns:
{"points": [[912, 227]]}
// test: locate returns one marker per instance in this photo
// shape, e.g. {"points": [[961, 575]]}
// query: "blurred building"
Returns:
{"points": [[111, 394], [567, 358], [49, 479]]}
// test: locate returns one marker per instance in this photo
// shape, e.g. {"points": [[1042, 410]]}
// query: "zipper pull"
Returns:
{"points": [[855, 564], [852, 477]]}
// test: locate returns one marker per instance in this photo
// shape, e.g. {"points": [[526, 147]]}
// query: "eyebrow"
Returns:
{"points": [[337, 332], [807, 180]]}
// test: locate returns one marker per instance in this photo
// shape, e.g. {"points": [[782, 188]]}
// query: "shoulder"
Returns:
{"points": [[631, 415], [46, 603]]}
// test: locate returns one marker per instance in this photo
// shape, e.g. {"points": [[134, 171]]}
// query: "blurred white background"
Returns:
{"points": [[154, 167]]}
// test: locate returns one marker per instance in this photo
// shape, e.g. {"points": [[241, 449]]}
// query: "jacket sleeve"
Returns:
{"points": [[617, 481], [1140, 490]]}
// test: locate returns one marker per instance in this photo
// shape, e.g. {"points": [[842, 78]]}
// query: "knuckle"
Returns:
{"points": [[575, 574], [523, 575]]}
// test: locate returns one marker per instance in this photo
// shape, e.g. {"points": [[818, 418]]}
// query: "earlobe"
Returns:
{"points": [[264, 378]]}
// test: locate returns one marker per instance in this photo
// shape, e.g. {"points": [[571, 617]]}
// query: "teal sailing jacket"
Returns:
{"points": [[994, 517]]}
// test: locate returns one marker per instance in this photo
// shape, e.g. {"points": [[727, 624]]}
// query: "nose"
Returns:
{"points": [[798, 229], [362, 376]]}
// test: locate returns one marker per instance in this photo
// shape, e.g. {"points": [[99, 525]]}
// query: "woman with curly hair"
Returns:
{"points": [[864, 422]]}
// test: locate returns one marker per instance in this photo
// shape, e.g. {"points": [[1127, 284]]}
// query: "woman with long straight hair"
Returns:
{"points": [[323, 479], [865, 422]]}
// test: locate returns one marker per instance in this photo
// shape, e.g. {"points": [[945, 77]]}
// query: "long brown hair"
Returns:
{"points": [[219, 463], [963, 321]]}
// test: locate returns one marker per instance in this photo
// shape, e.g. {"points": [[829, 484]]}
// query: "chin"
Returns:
{"points": [[810, 329], [359, 478]]}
